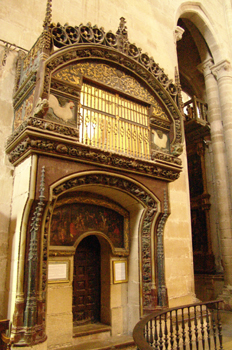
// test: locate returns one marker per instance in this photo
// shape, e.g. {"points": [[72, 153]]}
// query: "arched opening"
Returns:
{"points": [[91, 282], [87, 282], [192, 51], [112, 223]]}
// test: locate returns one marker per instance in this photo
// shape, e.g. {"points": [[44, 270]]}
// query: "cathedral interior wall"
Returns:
{"points": [[151, 25]]}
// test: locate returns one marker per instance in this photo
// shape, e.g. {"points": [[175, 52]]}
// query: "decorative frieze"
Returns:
{"points": [[62, 148]]}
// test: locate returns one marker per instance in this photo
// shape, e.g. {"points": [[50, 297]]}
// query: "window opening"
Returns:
{"points": [[112, 122]]}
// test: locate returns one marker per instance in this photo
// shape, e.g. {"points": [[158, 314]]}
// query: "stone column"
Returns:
{"points": [[220, 168], [223, 73]]}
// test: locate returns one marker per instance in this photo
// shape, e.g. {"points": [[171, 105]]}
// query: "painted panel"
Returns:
{"points": [[71, 220]]}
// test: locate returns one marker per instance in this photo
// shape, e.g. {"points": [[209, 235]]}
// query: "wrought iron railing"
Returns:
{"points": [[196, 326], [195, 109]]}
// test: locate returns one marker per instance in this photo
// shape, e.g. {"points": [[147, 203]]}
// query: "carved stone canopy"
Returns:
{"points": [[65, 57]]}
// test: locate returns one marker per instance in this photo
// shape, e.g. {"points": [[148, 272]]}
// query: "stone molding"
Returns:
{"points": [[222, 70], [178, 34], [206, 67], [41, 136]]}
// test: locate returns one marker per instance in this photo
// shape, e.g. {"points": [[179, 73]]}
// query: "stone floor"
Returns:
{"points": [[126, 342], [120, 343], [226, 317]]}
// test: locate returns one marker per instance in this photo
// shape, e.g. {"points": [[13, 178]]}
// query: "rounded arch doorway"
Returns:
{"points": [[87, 281]]}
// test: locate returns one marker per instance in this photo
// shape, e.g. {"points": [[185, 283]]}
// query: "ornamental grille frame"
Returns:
{"points": [[38, 72]]}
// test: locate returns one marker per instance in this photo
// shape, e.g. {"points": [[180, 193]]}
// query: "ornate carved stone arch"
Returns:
{"points": [[153, 292]]}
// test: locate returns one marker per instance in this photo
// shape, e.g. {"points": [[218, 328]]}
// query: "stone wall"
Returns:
{"points": [[7, 73], [151, 25]]}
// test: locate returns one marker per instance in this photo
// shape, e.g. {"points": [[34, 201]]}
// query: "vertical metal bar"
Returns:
{"points": [[195, 107], [166, 342], [202, 329], [156, 335], [183, 329], [97, 129], [208, 327], [189, 329], [196, 328], [151, 340], [90, 127], [112, 133], [146, 333], [142, 144], [107, 131], [214, 329], [171, 332], [160, 334], [219, 326], [177, 332]]}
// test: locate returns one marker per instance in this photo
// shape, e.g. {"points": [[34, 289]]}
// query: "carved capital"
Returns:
{"points": [[178, 33], [206, 66], [222, 70]]}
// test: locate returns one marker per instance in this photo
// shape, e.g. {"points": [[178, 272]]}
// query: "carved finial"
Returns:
{"points": [[179, 101], [48, 16], [122, 29], [122, 37]]}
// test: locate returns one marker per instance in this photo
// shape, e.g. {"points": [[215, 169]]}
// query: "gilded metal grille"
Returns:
{"points": [[109, 121]]}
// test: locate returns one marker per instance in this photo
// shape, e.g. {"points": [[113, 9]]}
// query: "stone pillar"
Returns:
{"points": [[220, 168], [223, 73]]}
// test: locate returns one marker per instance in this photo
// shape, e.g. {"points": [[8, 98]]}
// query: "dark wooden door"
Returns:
{"points": [[86, 281]]}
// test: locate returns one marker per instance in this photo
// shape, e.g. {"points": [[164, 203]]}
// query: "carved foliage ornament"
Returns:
{"points": [[88, 155], [85, 34]]}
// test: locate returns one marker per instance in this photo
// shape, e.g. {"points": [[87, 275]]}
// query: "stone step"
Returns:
{"points": [[97, 336], [90, 332], [118, 342]]}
